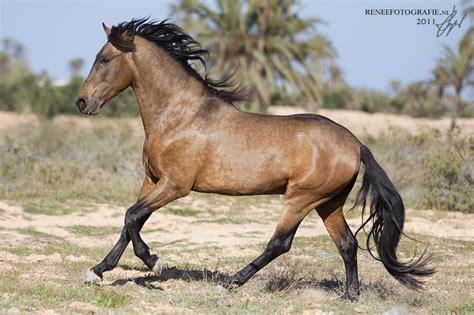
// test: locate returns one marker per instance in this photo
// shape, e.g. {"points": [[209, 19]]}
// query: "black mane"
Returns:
{"points": [[182, 47]]}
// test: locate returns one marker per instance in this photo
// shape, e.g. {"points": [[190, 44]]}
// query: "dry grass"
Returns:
{"points": [[42, 271], [60, 178]]}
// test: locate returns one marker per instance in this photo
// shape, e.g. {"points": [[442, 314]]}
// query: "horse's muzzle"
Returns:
{"points": [[90, 107]]}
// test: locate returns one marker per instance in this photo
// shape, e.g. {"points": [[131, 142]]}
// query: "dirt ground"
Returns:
{"points": [[360, 123], [201, 241], [204, 239], [180, 228]]}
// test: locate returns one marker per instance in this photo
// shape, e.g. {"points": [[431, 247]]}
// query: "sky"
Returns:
{"points": [[372, 50]]}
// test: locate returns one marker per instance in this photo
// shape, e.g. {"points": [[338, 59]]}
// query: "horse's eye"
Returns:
{"points": [[104, 61]]}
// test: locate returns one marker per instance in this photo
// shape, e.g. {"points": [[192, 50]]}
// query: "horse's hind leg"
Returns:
{"points": [[295, 211], [333, 218]]}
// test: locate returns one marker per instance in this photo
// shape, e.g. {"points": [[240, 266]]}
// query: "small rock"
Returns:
{"points": [[13, 310], [326, 255], [46, 312], [220, 288], [86, 307], [73, 258], [24, 276], [396, 310]]}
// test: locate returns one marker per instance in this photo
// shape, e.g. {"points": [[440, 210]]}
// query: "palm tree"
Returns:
{"points": [[75, 66], [468, 6], [269, 44], [416, 94], [395, 87], [440, 80], [458, 66], [184, 10], [336, 80]]}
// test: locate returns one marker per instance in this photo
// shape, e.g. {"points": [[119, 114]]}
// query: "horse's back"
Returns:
{"points": [[254, 153]]}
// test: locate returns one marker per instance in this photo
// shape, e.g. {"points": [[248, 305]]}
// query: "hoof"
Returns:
{"points": [[350, 297], [91, 278], [232, 284], [157, 267]]}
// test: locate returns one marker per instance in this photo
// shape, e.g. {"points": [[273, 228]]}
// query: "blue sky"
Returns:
{"points": [[372, 49]]}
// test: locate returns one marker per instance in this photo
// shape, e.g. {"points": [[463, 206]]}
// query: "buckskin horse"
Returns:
{"points": [[197, 140]]}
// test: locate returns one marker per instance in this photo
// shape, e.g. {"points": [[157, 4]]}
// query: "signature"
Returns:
{"points": [[447, 26]]}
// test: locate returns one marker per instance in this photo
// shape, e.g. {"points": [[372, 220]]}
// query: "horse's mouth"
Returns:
{"points": [[93, 108]]}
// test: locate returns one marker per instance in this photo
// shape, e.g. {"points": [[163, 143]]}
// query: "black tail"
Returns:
{"points": [[387, 213]]}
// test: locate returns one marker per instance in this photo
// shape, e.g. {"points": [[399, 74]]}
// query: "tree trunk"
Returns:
{"points": [[458, 110]]}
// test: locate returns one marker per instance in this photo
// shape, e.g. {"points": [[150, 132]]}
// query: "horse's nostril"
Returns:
{"points": [[81, 103]]}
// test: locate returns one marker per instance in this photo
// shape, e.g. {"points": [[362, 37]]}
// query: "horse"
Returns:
{"points": [[197, 139]]}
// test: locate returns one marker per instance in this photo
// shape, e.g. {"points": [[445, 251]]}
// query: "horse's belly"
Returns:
{"points": [[242, 182], [240, 190]]}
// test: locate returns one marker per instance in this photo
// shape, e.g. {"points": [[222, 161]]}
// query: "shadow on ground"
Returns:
{"points": [[171, 273], [288, 283], [151, 281]]}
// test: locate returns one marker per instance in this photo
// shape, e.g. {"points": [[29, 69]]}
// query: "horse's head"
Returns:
{"points": [[111, 73]]}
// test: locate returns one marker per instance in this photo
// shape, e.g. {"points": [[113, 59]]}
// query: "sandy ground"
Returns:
{"points": [[204, 230], [212, 239], [195, 230], [364, 123], [359, 123]]}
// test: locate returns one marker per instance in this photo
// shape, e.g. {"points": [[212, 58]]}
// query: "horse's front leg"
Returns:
{"points": [[95, 274], [162, 193]]}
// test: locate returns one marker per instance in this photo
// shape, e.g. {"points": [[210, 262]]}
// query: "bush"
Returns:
{"points": [[53, 161], [430, 170], [102, 163], [448, 176]]}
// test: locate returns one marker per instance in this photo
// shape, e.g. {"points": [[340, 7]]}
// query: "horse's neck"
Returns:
{"points": [[166, 100]]}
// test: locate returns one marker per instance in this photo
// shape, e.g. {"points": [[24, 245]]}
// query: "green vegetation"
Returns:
{"points": [[39, 295], [102, 163], [87, 230], [110, 299], [59, 162], [34, 233], [288, 61], [270, 45], [48, 208], [431, 170], [22, 90], [302, 280], [184, 212], [282, 56], [456, 69], [448, 180], [226, 221]]}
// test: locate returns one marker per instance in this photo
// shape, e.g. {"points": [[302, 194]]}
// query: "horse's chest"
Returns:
{"points": [[167, 161]]}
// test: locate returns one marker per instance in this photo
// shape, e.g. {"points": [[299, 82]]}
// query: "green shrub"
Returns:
{"points": [[55, 161], [430, 170], [102, 163], [448, 176]]}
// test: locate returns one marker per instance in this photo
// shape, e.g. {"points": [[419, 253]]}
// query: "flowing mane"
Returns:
{"points": [[183, 48]]}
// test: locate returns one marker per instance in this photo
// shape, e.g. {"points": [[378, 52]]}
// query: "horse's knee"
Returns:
{"points": [[279, 246], [135, 216], [131, 216]]}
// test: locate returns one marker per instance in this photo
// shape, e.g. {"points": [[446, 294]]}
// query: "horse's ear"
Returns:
{"points": [[128, 34], [106, 29]]}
